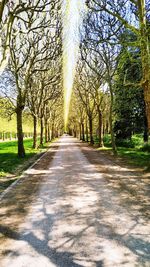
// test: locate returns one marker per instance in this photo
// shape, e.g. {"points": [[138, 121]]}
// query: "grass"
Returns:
{"points": [[133, 151], [11, 166], [135, 157], [10, 163]]}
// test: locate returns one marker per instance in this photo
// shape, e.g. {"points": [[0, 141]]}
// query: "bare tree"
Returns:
{"points": [[32, 36]]}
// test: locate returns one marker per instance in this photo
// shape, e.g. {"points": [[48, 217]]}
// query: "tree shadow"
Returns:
{"points": [[80, 216]]}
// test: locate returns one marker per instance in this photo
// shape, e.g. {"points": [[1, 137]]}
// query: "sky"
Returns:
{"points": [[72, 13]]}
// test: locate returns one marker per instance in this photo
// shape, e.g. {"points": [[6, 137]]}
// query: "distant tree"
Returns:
{"points": [[83, 89]]}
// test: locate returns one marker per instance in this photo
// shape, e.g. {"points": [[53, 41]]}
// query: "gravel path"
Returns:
{"points": [[76, 208]]}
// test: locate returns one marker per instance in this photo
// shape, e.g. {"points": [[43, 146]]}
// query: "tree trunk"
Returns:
{"points": [[91, 130], [49, 133], [35, 132], [53, 134], [74, 132], [80, 130], [87, 138], [111, 120], [145, 56], [21, 150], [83, 132], [41, 133], [112, 133], [46, 131], [145, 136], [100, 130]]}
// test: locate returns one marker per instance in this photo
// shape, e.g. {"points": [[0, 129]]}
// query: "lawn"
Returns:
{"points": [[11, 166], [133, 151], [9, 161]]}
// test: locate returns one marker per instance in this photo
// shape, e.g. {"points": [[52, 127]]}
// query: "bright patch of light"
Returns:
{"points": [[72, 19]]}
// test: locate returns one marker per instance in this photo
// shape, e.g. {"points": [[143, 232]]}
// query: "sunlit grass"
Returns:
{"points": [[131, 151], [9, 161]]}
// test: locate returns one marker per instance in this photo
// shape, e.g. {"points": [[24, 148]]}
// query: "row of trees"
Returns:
{"points": [[112, 86], [31, 46]]}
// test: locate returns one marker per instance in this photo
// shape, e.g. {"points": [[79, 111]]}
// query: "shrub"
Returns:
{"points": [[125, 143], [145, 148]]}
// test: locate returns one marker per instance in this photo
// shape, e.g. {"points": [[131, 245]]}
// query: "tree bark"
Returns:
{"points": [[53, 134], [91, 130], [83, 132], [46, 131], [80, 129], [87, 138], [111, 120], [49, 133], [145, 136], [75, 132], [21, 150], [145, 56], [42, 131], [34, 132], [100, 130]]}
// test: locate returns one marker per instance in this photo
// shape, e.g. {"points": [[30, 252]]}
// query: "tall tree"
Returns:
{"points": [[132, 15]]}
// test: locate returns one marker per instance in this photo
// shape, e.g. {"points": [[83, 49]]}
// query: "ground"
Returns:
{"points": [[76, 208]]}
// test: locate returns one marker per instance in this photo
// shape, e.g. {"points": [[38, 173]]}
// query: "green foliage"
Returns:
{"points": [[145, 148], [107, 140], [129, 104], [125, 143]]}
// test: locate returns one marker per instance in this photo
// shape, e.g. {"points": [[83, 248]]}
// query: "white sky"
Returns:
{"points": [[72, 20]]}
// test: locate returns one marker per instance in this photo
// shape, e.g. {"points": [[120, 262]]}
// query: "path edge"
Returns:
{"points": [[24, 175]]}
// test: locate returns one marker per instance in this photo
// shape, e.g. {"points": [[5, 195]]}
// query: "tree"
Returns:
{"points": [[10, 12], [137, 9], [83, 87], [30, 41], [102, 58], [129, 100]]}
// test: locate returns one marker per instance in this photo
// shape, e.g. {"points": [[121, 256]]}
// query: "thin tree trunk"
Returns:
{"points": [[145, 55], [75, 132], [42, 131], [100, 130], [147, 103], [145, 136], [87, 138], [91, 130], [80, 131], [21, 150], [111, 121], [35, 132], [46, 131], [83, 132], [49, 134], [53, 134]]}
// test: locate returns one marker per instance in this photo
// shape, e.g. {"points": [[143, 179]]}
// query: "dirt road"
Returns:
{"points": [[76, 208]]}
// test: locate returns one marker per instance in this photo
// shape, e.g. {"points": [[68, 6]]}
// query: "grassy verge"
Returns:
{"points": [[133, 151], [11, 166]]}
